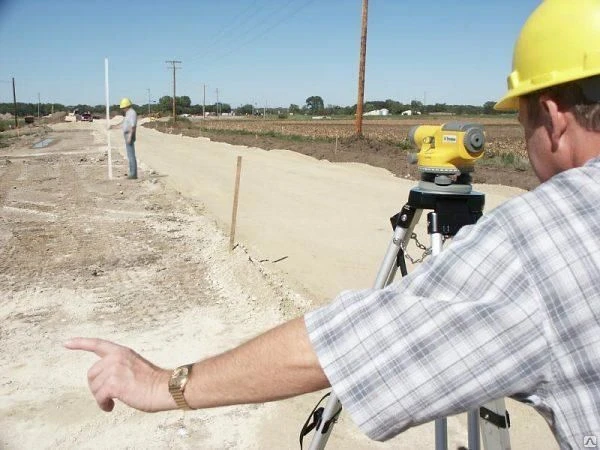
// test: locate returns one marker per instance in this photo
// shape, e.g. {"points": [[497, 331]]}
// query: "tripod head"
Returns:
{"points": [[447, 154]]}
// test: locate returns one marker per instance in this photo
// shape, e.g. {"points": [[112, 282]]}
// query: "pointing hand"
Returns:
{"points": [[124, 375]]}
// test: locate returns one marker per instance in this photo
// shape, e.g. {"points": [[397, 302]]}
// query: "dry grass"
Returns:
{"points": [[503, 134]]}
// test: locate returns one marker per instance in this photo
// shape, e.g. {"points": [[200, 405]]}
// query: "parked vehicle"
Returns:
{"points": [[87, 117]]}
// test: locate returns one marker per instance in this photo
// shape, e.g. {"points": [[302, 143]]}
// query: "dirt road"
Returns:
{"points": [[146, 263]]}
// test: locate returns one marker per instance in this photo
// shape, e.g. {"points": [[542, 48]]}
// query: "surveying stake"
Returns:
{"points": [[446, 158]]}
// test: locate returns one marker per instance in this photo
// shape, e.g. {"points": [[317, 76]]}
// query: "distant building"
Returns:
{"points": [[378, 112]]}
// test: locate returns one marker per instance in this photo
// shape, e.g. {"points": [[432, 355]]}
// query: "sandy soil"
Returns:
{"points": [[147, 263]]}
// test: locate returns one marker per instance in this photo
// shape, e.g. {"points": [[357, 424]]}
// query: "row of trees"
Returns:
{"points": [[314, 105], [164, 106]]}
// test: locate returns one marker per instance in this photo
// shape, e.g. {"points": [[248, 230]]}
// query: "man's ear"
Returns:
{"points": [[555, 120]]}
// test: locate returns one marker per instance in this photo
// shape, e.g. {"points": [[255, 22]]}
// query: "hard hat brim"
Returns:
{"points": [[507, 103]]}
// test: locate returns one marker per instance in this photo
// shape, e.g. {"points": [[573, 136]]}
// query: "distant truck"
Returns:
{"points": [[87, 117]]}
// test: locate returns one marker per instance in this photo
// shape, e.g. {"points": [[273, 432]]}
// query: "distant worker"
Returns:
{"points": [[129, 126]]}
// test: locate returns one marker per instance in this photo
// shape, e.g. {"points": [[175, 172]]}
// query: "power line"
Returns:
{"points": [[240, 31], [232, 24], [265, 26], [251, 40]]}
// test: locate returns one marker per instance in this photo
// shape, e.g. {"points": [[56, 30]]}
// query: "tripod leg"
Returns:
{"points": [[495, 422], [437, 240], [411, 221], [492, 417], [388, 267], [473, 427], [406, 221], [324, 428]]}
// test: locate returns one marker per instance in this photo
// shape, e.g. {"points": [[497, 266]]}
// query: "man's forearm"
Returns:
{"points": [[277, 364]]}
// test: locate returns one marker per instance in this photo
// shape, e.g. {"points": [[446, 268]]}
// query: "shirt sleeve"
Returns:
{"points": [[463, 329]]}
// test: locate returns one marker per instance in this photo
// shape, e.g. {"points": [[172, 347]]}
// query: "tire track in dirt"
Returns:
{"points": [[101, 242], [9, 172]]}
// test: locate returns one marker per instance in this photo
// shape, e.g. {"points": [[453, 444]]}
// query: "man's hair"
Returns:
{"points": [[568, 96]]}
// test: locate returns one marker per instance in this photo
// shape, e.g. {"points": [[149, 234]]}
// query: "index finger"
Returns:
{"points": [[98, 346]]}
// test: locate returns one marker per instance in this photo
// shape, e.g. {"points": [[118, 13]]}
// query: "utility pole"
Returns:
{"points": [[217, 102], [361, 69], [15, 103], [203, 101], [148, 100], [173, 63]]}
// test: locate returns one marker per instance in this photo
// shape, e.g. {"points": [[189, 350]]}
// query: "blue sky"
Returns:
{"points": [[263, 52]]}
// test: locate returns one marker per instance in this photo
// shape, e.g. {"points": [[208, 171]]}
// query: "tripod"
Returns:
{"points": [[452, 205]]}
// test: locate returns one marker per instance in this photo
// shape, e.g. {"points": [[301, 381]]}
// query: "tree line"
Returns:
{"points": [[164, 106], [313, 105]]}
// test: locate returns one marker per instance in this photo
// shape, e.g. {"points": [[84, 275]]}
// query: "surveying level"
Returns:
{"points": [[446, 158], [447, 150]]}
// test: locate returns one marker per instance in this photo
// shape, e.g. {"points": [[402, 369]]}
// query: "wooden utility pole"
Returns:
{"points": [[204, 101], [173, 63], [15, 102], [361, 69], [217, 102]]}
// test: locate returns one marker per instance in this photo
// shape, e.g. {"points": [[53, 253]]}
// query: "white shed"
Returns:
{"points": [[377, 112]]}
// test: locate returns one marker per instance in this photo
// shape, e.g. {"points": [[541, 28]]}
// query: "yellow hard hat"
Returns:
{"points": [[560, 42], [125, 103]]}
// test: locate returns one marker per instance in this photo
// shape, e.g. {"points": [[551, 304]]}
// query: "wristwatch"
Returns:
{"points": [[177, 382]]}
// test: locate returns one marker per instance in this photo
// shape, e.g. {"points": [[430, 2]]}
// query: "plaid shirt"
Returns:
{"points": [[510, 308]]}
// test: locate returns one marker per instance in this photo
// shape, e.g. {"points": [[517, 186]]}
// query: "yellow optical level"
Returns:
{"points": [[451, 148]]}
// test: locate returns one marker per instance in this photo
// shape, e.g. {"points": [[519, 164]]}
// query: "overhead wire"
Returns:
{"points": [[246, 28], [233, 23], [254, 31], [260, 35]]}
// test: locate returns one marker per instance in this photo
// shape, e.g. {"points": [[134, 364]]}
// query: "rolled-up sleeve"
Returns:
{"points": [[464, 328]]}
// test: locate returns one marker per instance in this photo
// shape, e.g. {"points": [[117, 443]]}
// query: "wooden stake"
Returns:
{"points": [[235, 202]]}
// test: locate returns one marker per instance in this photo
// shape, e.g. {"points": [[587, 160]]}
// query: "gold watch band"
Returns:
{"points": [[180, 400], [177, 384]]}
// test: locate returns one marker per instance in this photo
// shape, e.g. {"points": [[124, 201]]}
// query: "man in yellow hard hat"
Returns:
{"points": [[129, 126], [510, 308]]}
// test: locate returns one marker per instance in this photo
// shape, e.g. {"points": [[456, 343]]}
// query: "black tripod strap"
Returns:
{"points": [[317, 417]]}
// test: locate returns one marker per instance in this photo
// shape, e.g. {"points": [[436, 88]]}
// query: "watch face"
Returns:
{"points": [[179, 375]]}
